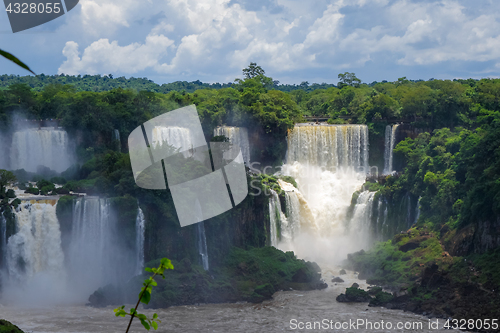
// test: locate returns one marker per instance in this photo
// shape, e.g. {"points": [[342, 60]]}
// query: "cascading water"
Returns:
{"points": [[331, 147], [237, 136], [277, 218], [95, 257], [34, 256], [390, 140], [3, 239], [116, 139], [417, 210], [140, 225], [202, 245], [300, 216], [408, 202], [4, 147], [360, 223], [36, 247], [35, 267], [178, 137], [329, 163], [47, 146], [381, 223]]}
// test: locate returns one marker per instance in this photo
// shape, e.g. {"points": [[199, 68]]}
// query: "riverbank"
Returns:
{"points": [[425, 279]]}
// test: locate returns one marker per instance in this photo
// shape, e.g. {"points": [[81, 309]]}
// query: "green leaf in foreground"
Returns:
{"points": [[12, 58], [145, 297]]}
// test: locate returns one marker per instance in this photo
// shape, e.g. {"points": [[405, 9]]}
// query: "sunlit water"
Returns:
{"points": [[275, 315]]}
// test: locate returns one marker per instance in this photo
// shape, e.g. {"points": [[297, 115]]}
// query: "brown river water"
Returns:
{"points": [[286, 312]]}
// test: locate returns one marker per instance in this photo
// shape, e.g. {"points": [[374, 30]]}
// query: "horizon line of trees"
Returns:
{"points": [[106, 82]]}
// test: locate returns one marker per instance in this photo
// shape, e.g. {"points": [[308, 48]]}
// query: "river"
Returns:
{"points": [[276, 315]]}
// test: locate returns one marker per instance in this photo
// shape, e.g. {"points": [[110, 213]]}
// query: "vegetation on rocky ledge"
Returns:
{"points": [[424, 277], [250, 275], [8, 327]]}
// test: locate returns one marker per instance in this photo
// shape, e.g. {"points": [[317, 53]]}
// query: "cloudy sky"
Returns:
{"points": [[293, 40]]}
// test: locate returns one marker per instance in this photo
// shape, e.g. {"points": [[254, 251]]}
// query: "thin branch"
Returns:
{"points": [[138, 302]]}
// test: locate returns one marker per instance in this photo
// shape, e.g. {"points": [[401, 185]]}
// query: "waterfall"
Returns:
{"points": [[409, 221], [331, 147], [34, 256], [202, 245], [3, 239], [380, 221], [92, 254], [37, 270], [390, 140], [380, 228], [329, 163], [299, 214], [47, 146], [417, 210], [276, 218], [360, 223], [4, 147], [384, 224], [36, 247], [140, 224], [178, 137], [116, 139], [237, 136]]}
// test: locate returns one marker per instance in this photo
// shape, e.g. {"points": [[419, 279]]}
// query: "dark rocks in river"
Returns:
{"points": [[342, 272], [354, 294], [337, 279], [105, 296], [8, 327]]}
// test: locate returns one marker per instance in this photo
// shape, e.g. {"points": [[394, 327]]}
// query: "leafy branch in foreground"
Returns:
{"points": [[145, 297], [12, 58]]}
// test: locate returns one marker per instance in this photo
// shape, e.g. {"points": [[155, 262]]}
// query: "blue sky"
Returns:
{"points": [[293, 40]]}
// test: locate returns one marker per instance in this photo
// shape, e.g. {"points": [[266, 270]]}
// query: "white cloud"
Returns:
{"points": [[103, 16], [219, 37], [103, 56]]}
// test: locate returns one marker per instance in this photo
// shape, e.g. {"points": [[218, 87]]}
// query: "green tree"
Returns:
{"points": [[349, 79], [252, 71]]}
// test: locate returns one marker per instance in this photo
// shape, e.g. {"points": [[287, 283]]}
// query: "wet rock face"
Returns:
{"points": [[487, 236], [476, 238]]}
